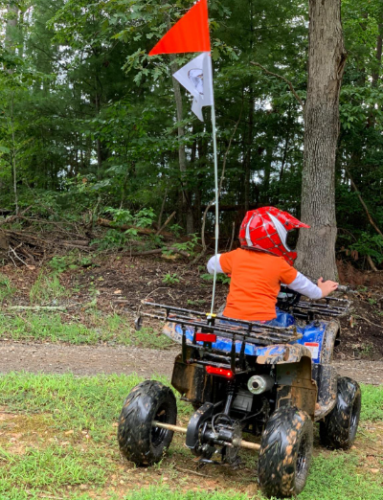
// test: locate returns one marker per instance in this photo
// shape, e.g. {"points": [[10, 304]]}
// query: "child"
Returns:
{"points": [[263, 262]]}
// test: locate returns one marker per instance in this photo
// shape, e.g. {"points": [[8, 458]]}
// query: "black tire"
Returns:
{"points": [[338, 430], [285, 455], [139, 441]]}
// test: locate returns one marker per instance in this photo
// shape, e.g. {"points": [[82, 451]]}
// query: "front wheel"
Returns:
{"points": [[285, 455], [338, 430], [139, 441]]}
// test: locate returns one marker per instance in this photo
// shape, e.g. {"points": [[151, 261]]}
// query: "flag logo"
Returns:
{"points": [[196, 77]]}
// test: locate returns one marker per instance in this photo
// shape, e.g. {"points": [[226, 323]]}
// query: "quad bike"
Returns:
{"points": [[274, 381]]}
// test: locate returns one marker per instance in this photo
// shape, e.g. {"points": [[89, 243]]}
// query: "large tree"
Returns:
{"points": [[327, 57]]}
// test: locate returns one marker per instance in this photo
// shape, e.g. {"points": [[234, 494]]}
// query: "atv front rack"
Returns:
{"points": [[330, 306]]}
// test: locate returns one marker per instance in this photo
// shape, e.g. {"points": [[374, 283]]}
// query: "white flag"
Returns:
{"points": [[197, 77]]}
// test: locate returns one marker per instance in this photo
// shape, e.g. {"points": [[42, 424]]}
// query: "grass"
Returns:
{"points": [[46, 289], [6, 287], [58, 439], [372, 403], [90, 328]]}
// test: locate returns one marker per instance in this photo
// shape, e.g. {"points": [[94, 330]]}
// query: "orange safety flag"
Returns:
{"points": [[189, 34]]}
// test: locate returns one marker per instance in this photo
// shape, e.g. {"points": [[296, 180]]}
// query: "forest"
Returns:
{"points": [[89, 126]]}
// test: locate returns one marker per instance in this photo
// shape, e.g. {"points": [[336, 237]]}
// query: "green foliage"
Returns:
{"points": [[143, 218], [165, 493], [171, 279], [46, 289], [63, 263], [187, 246], [371, 245], [114, 238], [6, 287], [372, 403], [221, 278]]}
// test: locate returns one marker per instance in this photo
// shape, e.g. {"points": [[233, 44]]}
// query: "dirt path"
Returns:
{"points": [[85, 360], [90, 360]]}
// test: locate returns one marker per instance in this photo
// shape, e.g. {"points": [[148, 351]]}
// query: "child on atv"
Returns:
{"points": [[262, 264]]}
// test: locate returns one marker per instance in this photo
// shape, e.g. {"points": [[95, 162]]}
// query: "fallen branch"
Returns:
{"points": [[367, 320], [188, 471], [363, 203], [165, 223], [12, 218], [371, 264], [126, 227], [282, 78], [160, 250], [36, 308], [162, 209]]}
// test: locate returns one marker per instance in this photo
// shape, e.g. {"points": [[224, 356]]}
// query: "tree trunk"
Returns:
{"points": [[378, 55], [11, 28], [249, 149], [327, 57], [186, 203], [10, 40]]}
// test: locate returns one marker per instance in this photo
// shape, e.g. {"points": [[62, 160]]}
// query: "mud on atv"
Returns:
{"points": [[243, 377]]}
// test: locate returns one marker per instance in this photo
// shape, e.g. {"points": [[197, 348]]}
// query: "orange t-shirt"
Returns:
{"points": [[255, 283]]}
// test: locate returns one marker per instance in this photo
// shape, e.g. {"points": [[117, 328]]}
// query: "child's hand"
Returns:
{"points": [[327, 286]]}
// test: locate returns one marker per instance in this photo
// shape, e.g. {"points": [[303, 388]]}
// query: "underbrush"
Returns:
{"points": [[58, 440]]}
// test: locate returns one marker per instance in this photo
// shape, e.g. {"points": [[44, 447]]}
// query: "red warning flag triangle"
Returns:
{"points": [[189, 34]]}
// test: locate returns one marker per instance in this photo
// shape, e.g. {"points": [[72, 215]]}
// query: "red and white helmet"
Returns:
{"points": [[266, 229]]}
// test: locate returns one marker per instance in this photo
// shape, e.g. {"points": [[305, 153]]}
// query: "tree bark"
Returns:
{"points": [[11, 27], [378, 55], [186, 205], [249, 144], [327, 57]]}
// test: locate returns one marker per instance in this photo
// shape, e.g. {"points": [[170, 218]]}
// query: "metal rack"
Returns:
{"points": [[238, 331]]}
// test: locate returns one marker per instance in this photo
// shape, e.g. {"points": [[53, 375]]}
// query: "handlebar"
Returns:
{"points": [[341, 288], [344, 289]]}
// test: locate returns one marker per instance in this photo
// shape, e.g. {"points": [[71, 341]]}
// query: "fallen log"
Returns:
{"points": [[36, 308], [160, 250], [125, 227]]}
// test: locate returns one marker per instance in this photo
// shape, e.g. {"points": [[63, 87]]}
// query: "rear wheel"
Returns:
{"points": [[338, 430], [285, 455], [139, 441]]}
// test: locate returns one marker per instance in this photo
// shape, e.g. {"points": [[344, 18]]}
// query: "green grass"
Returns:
{"points": [[91, 328], [69, 443], [164, 493], [6, 287], [372, 403], [47, 288]]}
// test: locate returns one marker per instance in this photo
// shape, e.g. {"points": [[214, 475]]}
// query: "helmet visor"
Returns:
{"points": [[292, 239]]}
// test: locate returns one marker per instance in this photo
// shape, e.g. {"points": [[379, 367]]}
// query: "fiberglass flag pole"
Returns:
{"points": [[214, 130], [191, 34]]}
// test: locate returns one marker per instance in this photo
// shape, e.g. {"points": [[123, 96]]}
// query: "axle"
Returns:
{"points": [[237, 442]]}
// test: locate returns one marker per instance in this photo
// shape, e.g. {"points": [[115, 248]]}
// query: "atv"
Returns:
{"points": [[270, 380]]}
